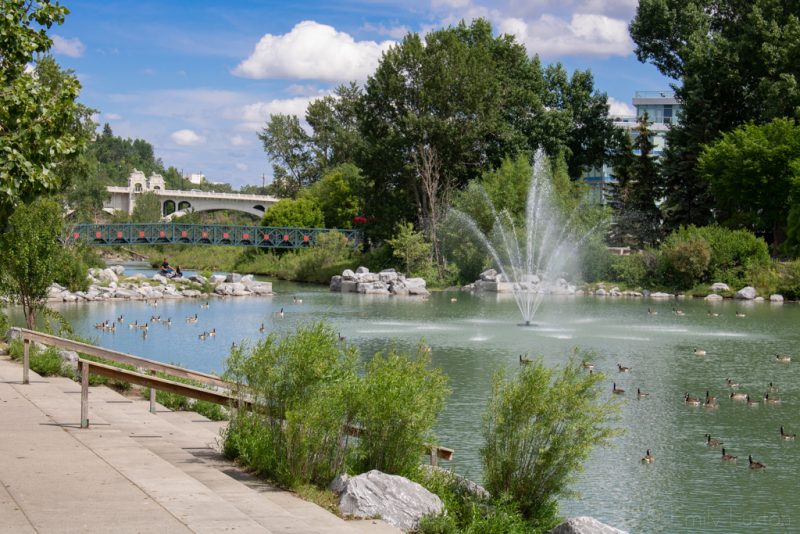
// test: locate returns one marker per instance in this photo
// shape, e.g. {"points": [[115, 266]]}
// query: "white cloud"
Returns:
{"points": [[312, 51], [113, 116], [257, 114], [239, 140], [242, 167], [617, 108], [186, 138], [395, 32], [68, 47]]}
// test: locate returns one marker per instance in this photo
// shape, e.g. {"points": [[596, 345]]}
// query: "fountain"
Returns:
{"points": [[528, 257]]}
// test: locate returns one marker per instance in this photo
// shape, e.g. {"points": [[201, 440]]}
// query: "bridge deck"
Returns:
{"points": [[202, 234]]}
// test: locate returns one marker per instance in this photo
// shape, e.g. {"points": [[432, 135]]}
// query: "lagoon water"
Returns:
{"points": [[688, 488]]}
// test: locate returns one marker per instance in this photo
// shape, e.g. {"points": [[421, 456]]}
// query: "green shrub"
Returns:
{"points": [[596, 261], [304, 386], [16, 349], [635, 270], [300, 213], [789, 280], [684, 260], [46, 363], [400, 399], [4, 325], [538, 430]]}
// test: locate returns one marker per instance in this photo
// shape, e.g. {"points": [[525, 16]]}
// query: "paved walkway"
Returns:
{"points": [[132, 471]]}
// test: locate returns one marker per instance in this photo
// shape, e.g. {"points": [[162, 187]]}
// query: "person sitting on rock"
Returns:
{"points": [[165, 268], [178, 272]]}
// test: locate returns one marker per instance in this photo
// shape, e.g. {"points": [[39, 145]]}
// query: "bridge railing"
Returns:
{"points": [[202, 234]]}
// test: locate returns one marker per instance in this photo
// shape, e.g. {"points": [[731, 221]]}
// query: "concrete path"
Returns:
{"points": [[132, 471]]}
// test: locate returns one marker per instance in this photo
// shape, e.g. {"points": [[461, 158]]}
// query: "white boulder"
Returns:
{"points": [[659, 295], [584, 525], [776, 298], [746, 293], [397, 500], [362, 270], [719, 286], [713, 296]]}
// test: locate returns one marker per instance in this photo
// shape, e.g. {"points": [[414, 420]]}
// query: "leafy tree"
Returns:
{"points": [[289, 148], [37, 118], [410, 247], [300, 213], [334, 119], [32, 254], [639, 189], [339, 195], [685, 260], [735, 61], [538, 429], [754, 172], [147, 208]]}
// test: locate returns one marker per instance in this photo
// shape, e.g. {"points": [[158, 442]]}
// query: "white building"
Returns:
{"points": [[196, 178]]}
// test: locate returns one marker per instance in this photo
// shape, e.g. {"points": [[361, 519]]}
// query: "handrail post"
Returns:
{"points": [[26, 360], [84, 395], [152, 395], [434, 455]]}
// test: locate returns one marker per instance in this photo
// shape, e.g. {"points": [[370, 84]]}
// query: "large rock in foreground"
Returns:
{"points": [[397, 500], [584, 525]]}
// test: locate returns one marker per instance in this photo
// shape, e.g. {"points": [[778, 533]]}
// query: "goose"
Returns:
{"points": [[648, 458], [699, 352], [341, 337], [524, 360], [732, 384], [727, 457], [710, 404], [113, 327], [741, 315], [787, 437], [772, 387], [120, 318], [134, 324], [280, 314], [615, 390], [233, 345], [261, 328], [192, 319], [678, 312], [154, 318], [641, 394], [622, 368], [782, 359], [651, 312], [144, 327], [713, 314], [771, 400], [587, 365], [753, 464], [691, 400], [204, 306], [738, 396], [750, 402], [203, 336], [167, 322], [711, 442], [297, 300], [710, 398], [213, 333], [453, 299]]}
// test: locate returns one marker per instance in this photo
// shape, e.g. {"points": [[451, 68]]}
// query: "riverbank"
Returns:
{"points": [[111, 283]]}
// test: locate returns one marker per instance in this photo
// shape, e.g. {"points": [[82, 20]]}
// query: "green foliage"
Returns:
{"points": [[596, 260], [733, 63], [4, 325], [400, 399], [72, 269], [40, 121], [288, 147], [754, 172], [339, 195], [177, 402], [411, 248], [303, 387], [147, 208], [636, 270], [538, 429], [685, 260], [301, 213], [789, 282], [31, 254], [46, 363], [791, 246]]}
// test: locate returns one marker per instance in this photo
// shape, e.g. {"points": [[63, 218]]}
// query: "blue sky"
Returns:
{"points": [[199, 78]]}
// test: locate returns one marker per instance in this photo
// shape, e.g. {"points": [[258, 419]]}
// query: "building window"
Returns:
{"points": [[137, 188], [668, 114]]}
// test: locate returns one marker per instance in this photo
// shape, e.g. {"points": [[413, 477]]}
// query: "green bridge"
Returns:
{"points": [[201, 234]]}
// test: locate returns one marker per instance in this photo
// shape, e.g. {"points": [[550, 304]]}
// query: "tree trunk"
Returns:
{"points": [[432, 197]]}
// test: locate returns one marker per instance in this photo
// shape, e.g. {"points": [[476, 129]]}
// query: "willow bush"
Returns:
{"points": [[538, 429]]}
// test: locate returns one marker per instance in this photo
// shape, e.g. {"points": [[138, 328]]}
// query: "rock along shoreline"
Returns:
{"points": [[111, 284]]}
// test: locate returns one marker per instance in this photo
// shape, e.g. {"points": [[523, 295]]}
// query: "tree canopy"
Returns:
{"points": [[38, 134], [735, 61], [300, 213]]}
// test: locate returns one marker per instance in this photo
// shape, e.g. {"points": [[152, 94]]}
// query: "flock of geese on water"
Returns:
{"points": [[710, 401], [144, 327]]}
